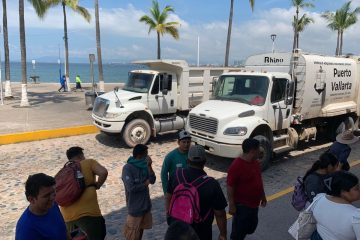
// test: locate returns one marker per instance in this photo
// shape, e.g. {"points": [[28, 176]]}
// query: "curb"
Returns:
{"points": [[47, 134]]}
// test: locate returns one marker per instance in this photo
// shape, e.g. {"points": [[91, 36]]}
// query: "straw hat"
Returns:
{"points": [[346, 137]]}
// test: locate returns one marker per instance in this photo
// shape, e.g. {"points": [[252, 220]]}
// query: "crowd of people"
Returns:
{"points": [[192, 198]]}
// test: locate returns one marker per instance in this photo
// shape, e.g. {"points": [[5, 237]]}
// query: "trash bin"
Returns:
{"points": [[90, 98]]}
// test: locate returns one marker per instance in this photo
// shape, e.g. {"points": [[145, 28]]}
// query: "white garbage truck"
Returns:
{"points": [[279, 99], [154, 100]]}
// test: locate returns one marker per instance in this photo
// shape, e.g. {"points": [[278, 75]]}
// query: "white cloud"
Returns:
{"points": [[120, 27]]}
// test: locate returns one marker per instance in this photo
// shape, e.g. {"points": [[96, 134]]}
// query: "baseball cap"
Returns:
{"points": [[196, 154], [184, 134]]}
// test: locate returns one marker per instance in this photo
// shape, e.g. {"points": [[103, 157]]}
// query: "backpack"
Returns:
{"points": [[185, 201], [299, 197], [70, 184]]}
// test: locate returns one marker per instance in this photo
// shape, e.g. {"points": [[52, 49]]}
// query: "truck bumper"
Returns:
{"points": [[106, 126], [218, 149]]}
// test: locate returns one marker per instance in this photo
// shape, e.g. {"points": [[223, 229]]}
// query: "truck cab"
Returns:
{"points": [[245, 104]]}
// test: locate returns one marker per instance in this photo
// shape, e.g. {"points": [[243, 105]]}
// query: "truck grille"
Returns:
{"points": [[198, 123], [100, 106]]}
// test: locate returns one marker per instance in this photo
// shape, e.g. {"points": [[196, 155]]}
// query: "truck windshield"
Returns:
{"points": [[247, 89], [139, 82]]}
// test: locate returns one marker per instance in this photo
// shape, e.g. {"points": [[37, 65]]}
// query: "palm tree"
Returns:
{"points": [[74, 5], [252, 3], [339, 21], [24, 100], [300, 26], [98, 46], [8, 93], [298, 4], [157, 21]]}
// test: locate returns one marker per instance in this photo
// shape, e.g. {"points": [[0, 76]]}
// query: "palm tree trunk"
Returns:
{"points": [[98, 47], [66, 43], [8, 93], [297, 40], [24, 100], [229, 34], [337, 43], [294, 41], [341, 42], [158, 46], [296, 28]]}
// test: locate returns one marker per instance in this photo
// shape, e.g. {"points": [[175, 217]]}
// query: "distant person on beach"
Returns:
{"points": [[78, 82], [62, 83], [42, 218], [177, 158], [85, 212], [137, 174]]}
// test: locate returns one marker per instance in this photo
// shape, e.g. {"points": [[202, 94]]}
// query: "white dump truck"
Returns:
{"points": [[154, 100], [278, 99]]}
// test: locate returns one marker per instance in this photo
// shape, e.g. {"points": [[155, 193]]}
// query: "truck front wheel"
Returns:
{"points": [[266, 152], [135, 132]]}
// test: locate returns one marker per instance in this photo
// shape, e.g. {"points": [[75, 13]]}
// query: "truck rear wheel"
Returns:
{"points": [[135, 132], [266, 151]]}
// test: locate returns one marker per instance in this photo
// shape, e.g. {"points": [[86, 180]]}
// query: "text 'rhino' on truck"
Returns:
{"points": [[154, 100], [279, 103]]}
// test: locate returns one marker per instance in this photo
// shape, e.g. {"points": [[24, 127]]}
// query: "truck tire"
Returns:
{"points": [[135, 132], [266, 150]]}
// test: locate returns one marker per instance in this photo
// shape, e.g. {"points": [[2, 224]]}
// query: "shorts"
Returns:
{"points": [[244, 222], [133, 225]]}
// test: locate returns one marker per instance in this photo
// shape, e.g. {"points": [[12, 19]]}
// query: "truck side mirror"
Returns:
{"points": [[289, 93], [213, 84]]}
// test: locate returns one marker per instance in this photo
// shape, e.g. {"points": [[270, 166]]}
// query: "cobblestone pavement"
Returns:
{"points": [[17, 161]]}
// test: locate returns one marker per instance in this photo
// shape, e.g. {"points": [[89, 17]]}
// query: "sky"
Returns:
{"points": [[125, 39]]}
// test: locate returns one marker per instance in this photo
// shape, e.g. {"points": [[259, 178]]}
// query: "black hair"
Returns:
{"points": [[250, 144], [73, 152], [340, 181], [139, 149], [179, 230], [324, 161], [37, 181]]}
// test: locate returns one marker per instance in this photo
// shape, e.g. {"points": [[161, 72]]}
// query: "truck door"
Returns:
{"points": [[279, 113], [162, 98]]}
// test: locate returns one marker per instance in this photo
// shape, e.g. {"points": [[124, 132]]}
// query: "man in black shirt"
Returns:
{"points": [[212, 199]]}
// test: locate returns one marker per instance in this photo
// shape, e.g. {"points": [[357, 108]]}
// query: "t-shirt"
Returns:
{"points": [[87, 204], [245, 178], [211, 198], [336, 221], [50, 226], [172, 161]]}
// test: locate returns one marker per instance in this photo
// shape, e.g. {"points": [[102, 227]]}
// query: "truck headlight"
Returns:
{"points": [[236, 131], [112, 115]]}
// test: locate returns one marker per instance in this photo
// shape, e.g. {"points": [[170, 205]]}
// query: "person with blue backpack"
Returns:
{"points": [[195, 198]]}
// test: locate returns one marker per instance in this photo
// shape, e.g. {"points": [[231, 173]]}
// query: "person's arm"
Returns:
{"points": [[101, 172], [152, 176], [167, 201], [220, 216], [129, 181], [165, 174], [232, 206]]}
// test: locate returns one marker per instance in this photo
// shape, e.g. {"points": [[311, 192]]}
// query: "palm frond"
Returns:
{"points": [[40, 7], [83, 12]]}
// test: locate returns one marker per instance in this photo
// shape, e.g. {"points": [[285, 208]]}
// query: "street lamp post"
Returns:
{"points": [[273, 37], [92, 59], [1, 85]]}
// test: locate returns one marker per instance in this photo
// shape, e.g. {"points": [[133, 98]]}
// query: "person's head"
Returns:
{"points": [[251, 148], [40, 192], [78, 75], [343, 184], [196, 156], [140, 151], [75, 154], [179, 230], [184, 141], [327, 163]]}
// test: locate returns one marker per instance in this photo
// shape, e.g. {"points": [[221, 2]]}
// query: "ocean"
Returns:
{"points": [[49, 72]]}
